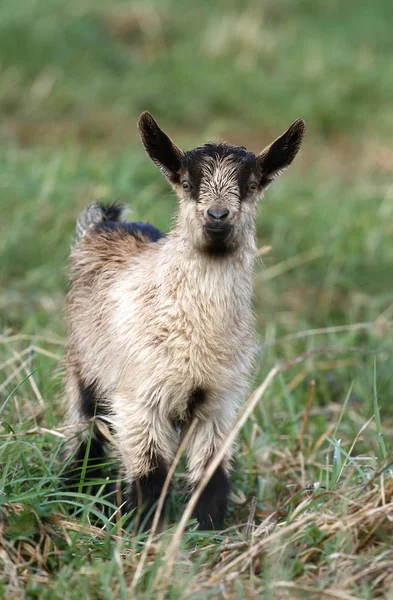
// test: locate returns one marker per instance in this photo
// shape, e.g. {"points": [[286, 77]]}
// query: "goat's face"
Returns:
{"points": [[218, 189], [219, 185]]}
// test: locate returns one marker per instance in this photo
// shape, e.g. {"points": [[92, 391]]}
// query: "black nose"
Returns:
{"points": [[218, 213]]}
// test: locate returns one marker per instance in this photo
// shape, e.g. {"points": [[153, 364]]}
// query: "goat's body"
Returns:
{"points": [[161, 327], [160, 334], [181, 322]]}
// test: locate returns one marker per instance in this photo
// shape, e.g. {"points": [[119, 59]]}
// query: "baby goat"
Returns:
{"points": [[161, 328]]}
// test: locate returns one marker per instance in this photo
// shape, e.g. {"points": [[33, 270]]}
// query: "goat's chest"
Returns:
{"points": [[186, 334], [198, 360], [201, 332]]}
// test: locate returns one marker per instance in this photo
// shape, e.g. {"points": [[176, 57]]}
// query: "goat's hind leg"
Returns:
{"points": [[86, 449], [86, 458]]}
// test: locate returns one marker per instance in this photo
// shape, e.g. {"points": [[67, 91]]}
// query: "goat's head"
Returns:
{"points": [[218, 185]]}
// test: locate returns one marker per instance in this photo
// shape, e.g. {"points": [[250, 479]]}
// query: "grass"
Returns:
{"points": [[312, 502]]}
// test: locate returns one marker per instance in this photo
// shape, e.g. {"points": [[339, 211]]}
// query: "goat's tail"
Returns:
{"points": [[98, 213]]}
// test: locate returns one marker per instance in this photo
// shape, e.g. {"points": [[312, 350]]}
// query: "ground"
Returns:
{"points": [[312, 503]]}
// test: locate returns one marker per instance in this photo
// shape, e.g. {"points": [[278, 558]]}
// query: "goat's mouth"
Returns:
{"points": [[219, 240], [218, 234]]}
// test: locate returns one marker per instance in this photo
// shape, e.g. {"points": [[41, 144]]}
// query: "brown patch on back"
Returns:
{"points": [[103, 254]]}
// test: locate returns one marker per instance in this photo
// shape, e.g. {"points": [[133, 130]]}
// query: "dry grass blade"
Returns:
{"points": [[328, 330], [33, 431], [290, 263], [251, 517], [15, 373], [14, 359], [366, 424], [46, 353], [255, 548], [29, 374], [311, 391], [315, 592], [263, 250], [34, 338]]}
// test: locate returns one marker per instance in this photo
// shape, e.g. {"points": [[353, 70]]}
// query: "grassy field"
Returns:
{"points": [[312, 505]]}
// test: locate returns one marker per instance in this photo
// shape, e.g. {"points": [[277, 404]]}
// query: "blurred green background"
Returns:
{"points": [[74, 76]]}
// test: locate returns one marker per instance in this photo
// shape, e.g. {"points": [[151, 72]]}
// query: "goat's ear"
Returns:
{"points": [[162, 151], [279, 155]]}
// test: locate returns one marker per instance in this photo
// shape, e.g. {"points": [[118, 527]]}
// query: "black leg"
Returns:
{"points": [[90, 468], [142, 494], [93, 479], [211, 508], [96, 457], [91, 452]]}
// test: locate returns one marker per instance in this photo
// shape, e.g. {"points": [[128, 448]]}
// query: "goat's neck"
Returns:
{"points": [[212, 280]]}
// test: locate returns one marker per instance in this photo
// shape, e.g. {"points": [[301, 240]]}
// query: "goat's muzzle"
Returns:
{"points": [[217, 227], [218, 215]]}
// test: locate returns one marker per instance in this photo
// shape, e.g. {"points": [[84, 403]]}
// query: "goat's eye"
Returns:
{"points": [[252, 187], [186, 185]]}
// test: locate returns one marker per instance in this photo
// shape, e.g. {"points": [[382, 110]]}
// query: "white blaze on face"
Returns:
{"points": [[220, 181]]}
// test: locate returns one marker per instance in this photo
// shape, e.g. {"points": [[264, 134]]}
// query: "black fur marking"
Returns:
{"points": [[92, 404], [281, 152], [211, 508], [96, 463], [111, 212], [142, 495], [212, 150], [218, 249], [166, 155], [135, 228], [219, 246], [246, 171], [147, 230], [89, 400], [91, 471], [98, 478], [195, 400]]}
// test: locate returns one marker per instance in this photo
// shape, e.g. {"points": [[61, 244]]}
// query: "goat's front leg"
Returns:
{"points": [[147, 442], [208, 437]]}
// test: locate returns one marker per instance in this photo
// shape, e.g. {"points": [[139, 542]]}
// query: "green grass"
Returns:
{"points": [[316, 457]]}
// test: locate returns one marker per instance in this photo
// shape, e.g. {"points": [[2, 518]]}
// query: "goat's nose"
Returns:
{"points": [[218, 213]]}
